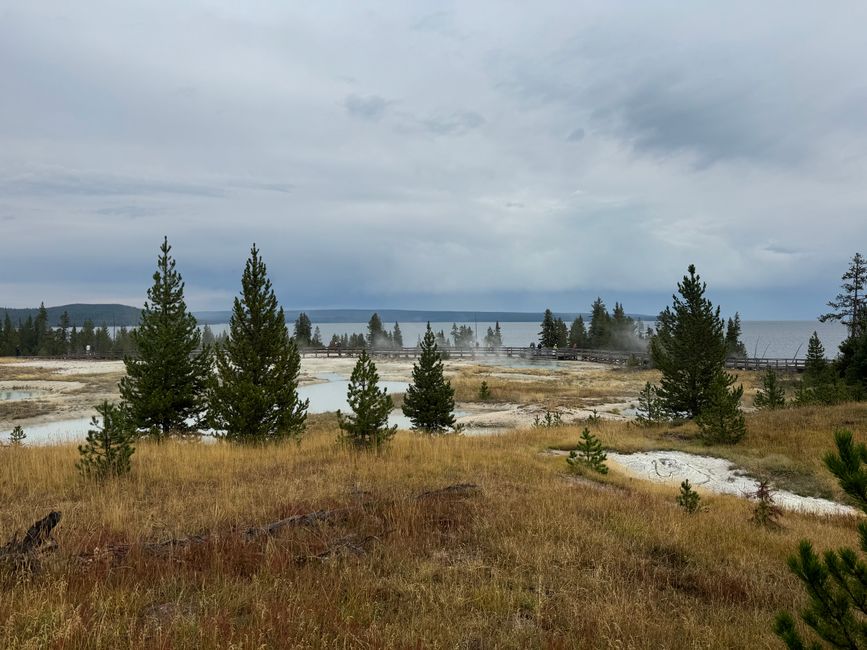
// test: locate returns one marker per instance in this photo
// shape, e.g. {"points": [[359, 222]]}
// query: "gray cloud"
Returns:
{"points": [[456, 123], [130, 211], [371, 107], [725, 136]]}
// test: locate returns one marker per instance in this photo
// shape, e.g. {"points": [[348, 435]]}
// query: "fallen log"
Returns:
{"points": [[39, 534], [308, 519], [458, 490], [37, 541]]}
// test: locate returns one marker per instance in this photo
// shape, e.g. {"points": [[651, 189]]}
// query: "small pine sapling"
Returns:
{"points": [[593, 418], [367, 426], [771, 395], [588, 453], [767, 512], [688, 498], [17, 436], [484, 392], [550, 420], [721, 420], [650, 409], [108, 447]]}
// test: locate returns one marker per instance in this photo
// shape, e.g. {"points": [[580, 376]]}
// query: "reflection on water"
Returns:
{"points": [[14, 395], [49, 432], [331, 395]]}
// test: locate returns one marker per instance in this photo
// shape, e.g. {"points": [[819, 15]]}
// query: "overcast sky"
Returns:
{"points": [[468, 155]]}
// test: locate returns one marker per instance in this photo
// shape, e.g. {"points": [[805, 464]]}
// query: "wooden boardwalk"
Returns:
{"points": [[611, 357]]}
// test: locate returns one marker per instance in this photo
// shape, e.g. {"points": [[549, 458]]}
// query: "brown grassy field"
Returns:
{"points": [[535, 558]]}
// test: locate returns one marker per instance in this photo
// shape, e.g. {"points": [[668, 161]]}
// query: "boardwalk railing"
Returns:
{"points": [[611, 357]]}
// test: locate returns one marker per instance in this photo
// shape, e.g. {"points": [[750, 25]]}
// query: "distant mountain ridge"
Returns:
{"points": [[115, 314], [99, 314]]}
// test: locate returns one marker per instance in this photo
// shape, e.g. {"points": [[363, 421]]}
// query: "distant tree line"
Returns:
{"points": [[606, 330], [379, 338], [35, 337]]}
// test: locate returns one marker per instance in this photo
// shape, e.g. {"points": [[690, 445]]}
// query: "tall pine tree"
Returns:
{"points": [[429, 401], [303, 330], [548, 333], [690, 349], [599, 333], [578, 333], [815, 364], [255, 396], [734, 345], [850, 307], [165, 383]]}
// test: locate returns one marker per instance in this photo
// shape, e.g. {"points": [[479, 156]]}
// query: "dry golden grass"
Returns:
{"points": [[536, 559], [552, 388]]}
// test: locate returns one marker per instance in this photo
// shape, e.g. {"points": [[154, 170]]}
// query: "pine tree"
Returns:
{"points": [[108, 447], [375, 332], [208, 338], [721, 420], [599, 332], [851, 365], [734, 345], [771, 395], [429, 401], [548, 333], [17, 436], [497, 341], [815, 364], [63, 333], [367, 425], [688, 499], [10, 337], [397, 336], [650, 409], [689, 348], [303, 331], [766, 512], [484, 392], [255, 397], [623, 330], [588, 453], [849, 306], [578, 333], [41, 331], [836, 581], [561, 332], [166, 381]]}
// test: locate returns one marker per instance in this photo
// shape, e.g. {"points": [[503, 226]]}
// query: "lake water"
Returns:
{"points": [[324, 397], [769, 339], [14, 395]]}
